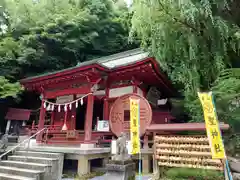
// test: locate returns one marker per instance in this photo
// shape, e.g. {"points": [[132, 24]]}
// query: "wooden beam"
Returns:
{"points": [[66, 83], [54, 94], [135, 81]]}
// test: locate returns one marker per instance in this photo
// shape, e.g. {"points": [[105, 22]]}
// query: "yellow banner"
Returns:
{"points": [[134, 126], [212, 126]]}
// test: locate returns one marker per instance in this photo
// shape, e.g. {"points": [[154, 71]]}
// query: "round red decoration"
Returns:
{"points": [[120, 114]]}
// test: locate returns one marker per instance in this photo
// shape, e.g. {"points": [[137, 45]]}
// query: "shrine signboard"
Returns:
{"points": [[120, 114], [103, 125], [71, 134], [64, 99]]}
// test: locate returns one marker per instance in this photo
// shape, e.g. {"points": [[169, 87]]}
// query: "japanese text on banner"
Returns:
{"points": [[212, 126], [134, 126]]}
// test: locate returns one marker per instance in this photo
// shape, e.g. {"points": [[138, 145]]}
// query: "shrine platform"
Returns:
{"points": [[84, 155]]}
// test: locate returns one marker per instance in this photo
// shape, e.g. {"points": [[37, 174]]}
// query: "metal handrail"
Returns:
{"points": [[23, 142]]}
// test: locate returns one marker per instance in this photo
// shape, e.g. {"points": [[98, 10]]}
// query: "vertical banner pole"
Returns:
{"points": [[226, 161], [135, 131], [228, 170], [226, 165], [140, 154]]}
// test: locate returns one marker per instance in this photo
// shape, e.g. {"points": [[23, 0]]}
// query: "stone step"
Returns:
{"points": [[44, 155], [4, 176], [41, 160], [22, 172], [55, 170], [37, 154], [27, 165]]}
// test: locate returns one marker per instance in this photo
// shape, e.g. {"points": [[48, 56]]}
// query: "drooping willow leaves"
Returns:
{"points": [[194, 42]]}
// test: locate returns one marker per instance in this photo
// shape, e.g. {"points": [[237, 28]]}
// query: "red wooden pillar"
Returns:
{"points": [[106, 106], [89, 118], [41, 121]]}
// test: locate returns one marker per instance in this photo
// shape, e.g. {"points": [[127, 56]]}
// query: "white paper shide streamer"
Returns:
{"points": [[50, 106], [76, 104]]}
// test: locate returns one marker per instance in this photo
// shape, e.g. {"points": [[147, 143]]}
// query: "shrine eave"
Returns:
{"points": [[135, 63], [103, 63]]}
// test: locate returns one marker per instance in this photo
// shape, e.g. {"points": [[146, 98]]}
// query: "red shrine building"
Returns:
{"points": [[76, 99]]}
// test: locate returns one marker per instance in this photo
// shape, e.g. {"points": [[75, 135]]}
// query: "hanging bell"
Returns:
{"points": [[81, 101], [76, 104], [59, 108], [70, 106]]}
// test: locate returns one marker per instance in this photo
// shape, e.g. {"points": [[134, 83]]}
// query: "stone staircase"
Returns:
{"points": [[32, 165]]}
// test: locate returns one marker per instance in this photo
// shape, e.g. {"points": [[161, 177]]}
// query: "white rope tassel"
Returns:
{"points": [[70, 104], [65, 108], [44, 104], [52, 107], [49, 107]]}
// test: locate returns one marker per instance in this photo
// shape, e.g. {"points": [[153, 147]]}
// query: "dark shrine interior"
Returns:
{"points": [[81, 111]]}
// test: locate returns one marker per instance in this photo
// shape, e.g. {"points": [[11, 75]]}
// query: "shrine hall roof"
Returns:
{"points": [[109, 62]]}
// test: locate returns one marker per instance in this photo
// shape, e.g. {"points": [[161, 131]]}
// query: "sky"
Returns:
{"points": [[129, 2]]}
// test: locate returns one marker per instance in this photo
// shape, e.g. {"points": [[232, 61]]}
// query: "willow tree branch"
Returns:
{"points": [[175, 19]]}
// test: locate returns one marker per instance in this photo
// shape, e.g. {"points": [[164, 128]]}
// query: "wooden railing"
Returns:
{"points": [[55, 135], [22, 143], [59, 137], [49, 127]]}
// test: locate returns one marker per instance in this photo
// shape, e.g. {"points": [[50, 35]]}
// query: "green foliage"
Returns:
{"points": [[10, 49], [48, 35], [195, 42], [233, 144], [227, 92], [193, 174], [8, 89]]}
